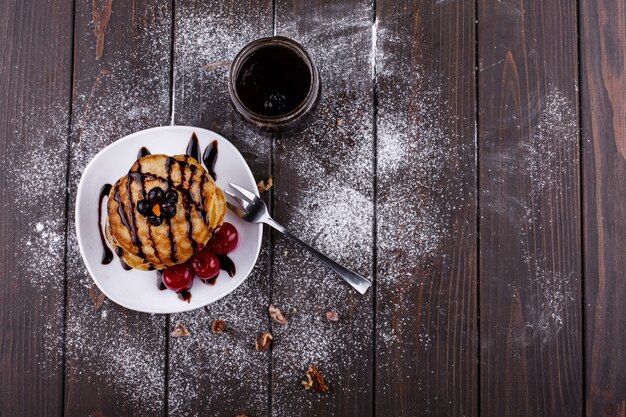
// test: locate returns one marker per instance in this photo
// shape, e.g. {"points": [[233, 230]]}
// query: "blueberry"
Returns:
{"points": [[168, 210], [155, 220], [156, 194], [144, 207], [171, 196]]}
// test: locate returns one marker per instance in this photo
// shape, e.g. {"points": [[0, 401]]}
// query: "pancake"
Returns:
{"points": [[200, 210]]}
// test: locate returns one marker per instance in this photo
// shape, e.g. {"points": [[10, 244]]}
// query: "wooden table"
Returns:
{"points": [[469, 156]]}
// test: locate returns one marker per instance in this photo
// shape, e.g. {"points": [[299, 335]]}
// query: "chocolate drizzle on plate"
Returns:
{"points": [[193, 148], [143, 152], [227, 264], [160, 285], [125, 265], [209, 157], [185, 295], [135, 236], [120, 252], [210, 281], [107, 255]]}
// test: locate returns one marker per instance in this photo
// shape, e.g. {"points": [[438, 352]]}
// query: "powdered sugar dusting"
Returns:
{"points": [[423, 185], [127, 90], [555, 295], [554, 131], [330, 161], [34, 190], [546, 164], [223, 371], [330, 164], [207, 39], [415, 142], [34, 157], [43, 248], [129, 363], [374, 46], [549, 171], [234, 375]]}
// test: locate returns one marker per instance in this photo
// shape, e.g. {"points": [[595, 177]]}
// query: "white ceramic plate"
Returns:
{"points": [[138, 290]]}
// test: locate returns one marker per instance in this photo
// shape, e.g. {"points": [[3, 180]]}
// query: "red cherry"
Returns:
{"points": [[224, 240], [205, 264], [178, 278]]}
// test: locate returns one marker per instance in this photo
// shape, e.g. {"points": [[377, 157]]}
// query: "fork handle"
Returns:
{"points": [[357, 282]]}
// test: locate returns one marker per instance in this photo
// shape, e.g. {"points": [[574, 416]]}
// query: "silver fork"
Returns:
{"points": [[254, 210]]}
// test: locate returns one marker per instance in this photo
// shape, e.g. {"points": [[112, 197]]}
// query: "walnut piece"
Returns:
{"points": [[180, 331], [332, 316], [263, 341], [276, 315], [263, 186], [218, 326], [315, 381]]}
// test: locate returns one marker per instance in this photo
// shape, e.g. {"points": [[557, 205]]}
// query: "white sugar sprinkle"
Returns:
{"points": [[227, 363], [134, 364], [126, 93], [554, 132], [334, 212]]}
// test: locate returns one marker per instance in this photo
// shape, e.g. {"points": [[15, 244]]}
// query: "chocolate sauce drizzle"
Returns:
{"points": [[137, 176], [185, 295], [210, 281], [209, 157], [143, 152], [193, 148], [107, 255], [160, 285], [203, 208], [168, 168], [120, 252], [227, 264], [186, 204], [135, 236], [120, 208]]}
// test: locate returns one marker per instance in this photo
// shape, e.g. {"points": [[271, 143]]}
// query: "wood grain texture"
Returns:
{"points": [[221, 374], [426, 322], [115, 357], [34, 121], [382, 178], [603, 74], [530, 247], [324, 194]]}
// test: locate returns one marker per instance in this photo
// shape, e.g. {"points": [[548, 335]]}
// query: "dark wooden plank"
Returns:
{"points": [[426, 323], [35, 85], [530, 253], [324, 194], [221, 374], [603, 75], [115, 357]]}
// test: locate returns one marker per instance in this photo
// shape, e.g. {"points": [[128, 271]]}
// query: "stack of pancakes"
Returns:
{"points": [[200, 210]]}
